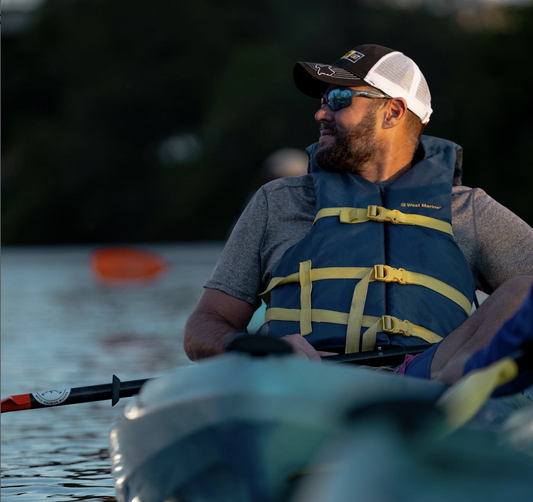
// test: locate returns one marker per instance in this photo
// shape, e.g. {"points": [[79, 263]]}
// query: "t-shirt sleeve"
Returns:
{"points": [[238, 269], [504, 243]]}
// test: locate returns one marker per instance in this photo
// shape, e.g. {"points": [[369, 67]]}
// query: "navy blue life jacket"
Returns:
{"points": [[379, 267]]}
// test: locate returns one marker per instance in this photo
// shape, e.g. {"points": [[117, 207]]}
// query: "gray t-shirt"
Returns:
{"points": [[497, 244]]}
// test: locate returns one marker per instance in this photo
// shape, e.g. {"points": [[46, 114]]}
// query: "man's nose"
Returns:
{"points": [[324, 114]]}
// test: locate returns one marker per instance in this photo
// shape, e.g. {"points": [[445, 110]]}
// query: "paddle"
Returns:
{"points": [[460, 402], [76, 395], [384, 357], [255, 345], [466, 397], [263, 345]]}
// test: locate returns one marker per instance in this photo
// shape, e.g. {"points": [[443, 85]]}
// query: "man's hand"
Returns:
{"points": [[302, 348]]}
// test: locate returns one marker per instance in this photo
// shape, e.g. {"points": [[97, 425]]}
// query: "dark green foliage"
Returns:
{"points": [[92, 89]]}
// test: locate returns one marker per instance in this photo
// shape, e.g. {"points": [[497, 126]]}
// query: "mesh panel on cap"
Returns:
{"points": [[397, 69], [399, 76], [422, 93]]}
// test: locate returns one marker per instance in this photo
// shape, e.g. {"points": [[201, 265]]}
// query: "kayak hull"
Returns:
{"points": [[238, 428]]}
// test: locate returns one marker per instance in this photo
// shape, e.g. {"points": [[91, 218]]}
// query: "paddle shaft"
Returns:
{"points": [[378, 357], [117, 389], [264, 345], [113, 391]]}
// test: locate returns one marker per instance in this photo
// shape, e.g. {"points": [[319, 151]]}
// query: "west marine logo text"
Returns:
{"points": [[419, 204]]}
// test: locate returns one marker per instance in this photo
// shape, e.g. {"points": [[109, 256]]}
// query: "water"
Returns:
{"points": [[62, 328]]}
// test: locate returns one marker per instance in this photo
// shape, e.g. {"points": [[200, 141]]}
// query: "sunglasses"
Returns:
{"points": [[337, 99]]}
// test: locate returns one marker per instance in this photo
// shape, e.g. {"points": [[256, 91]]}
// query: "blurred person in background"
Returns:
{"points": [[379, 245], [284, 162], [279, 164]]}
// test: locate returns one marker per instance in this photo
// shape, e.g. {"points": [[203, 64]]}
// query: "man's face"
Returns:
{"points": [[348, 137]]}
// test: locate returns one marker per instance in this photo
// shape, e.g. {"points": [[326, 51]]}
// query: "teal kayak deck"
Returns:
{"points": [[237, 428]]}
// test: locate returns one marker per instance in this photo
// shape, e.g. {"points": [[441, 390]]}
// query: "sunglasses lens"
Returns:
{"points": [[339, 98]]}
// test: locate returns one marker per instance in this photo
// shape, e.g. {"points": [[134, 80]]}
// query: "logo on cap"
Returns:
{"points": [[322, 69], [353, 56]]}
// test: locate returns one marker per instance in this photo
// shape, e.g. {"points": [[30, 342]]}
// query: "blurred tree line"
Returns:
{"points": [[128, 121]]}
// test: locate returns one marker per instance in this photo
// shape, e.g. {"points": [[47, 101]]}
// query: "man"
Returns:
{"points": [[378, 245]]}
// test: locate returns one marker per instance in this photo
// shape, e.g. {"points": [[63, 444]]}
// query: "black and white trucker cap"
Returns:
{"points": [[388, 70]]}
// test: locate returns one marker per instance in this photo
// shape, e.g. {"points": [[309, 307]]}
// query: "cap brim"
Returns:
{"points": [[313, 78]]}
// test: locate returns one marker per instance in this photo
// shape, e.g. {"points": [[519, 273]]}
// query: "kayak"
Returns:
{"points": [[241, 428], [236, 427]]}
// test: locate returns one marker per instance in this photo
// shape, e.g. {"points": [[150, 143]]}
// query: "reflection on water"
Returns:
{"points": [[61, 328]]}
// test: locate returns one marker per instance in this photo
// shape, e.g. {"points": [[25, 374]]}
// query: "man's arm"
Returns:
{"points": [[213, 323], [227, 303], [479, 329], [218, 317], [504, 243]]}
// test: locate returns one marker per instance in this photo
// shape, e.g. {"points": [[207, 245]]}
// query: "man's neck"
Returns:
{"points": [[391, 165], [378, 173]]}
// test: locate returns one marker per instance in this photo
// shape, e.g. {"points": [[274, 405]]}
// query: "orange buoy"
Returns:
{"points": [[124, 263]]}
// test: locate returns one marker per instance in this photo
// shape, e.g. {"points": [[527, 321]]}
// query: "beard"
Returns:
{"points": [[352, 150]]}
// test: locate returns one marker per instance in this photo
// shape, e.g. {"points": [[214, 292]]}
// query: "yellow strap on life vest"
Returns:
{"points": [[317, 315], [278, 281], [381, 273], [383, 215], [353, 331], [306, 286], [392, 326], [317, 274], [386, 324], [355, 317], [384, 273], [345, 214], [354, 322]]}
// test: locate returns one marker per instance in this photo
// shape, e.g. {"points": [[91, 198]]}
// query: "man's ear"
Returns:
{"points": [[395, 111]]}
